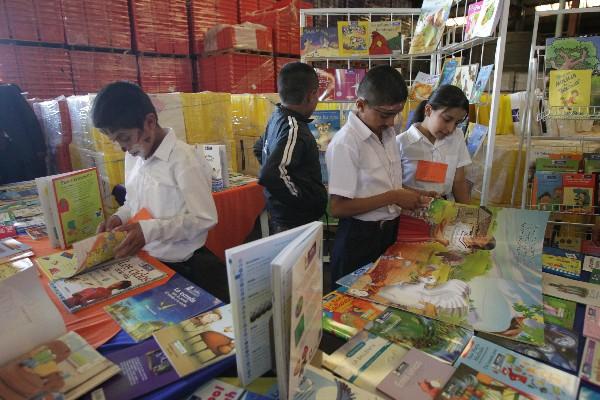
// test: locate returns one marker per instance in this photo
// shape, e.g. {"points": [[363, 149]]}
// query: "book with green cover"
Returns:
{"points": [[559, 312], [556, 165]]}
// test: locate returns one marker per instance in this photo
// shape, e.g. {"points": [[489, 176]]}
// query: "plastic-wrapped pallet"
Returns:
{"points": [[207, 117], [246, 36], [170, 112], [84, 134], [251, 112], [56, 125]]}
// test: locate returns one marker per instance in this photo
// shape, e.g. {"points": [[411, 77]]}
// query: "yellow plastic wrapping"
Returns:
{"points": [[251, 112], [207, 117]]}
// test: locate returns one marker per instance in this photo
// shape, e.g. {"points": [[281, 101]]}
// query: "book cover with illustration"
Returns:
{"points": [[475, 137], [365, 360], [572, 290], [562, 262], [465, 77], [319, 384], [547, 190], [11, 249], [559, 311], [472, 15], [477, 267], [346, 83], [449, 70], [66, 368], [386, 37], [319, 42], [590, 362], [570, 90], [353, 38], [591, 163], [523, 373], [104, 283], [467, 381], [430, 26], [487, 19], [482, 79], [326, 83], [325, 124], [168, 304], [441, 340], [591, 322], [579, 192], [345, 315], [560, 350], [556, 164], [422, 86], [199, 341], [418, 377], [573, 53]]}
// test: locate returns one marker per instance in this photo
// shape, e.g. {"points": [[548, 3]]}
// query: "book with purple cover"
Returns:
{"points": [[346, 83]]}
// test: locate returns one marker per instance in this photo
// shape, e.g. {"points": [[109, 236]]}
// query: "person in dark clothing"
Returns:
{"points": [[288, 153]]}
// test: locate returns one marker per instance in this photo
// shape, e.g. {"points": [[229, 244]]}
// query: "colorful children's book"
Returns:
{"points": [[559, 312], [365, 360], [547, 190], [591, 322], [325, 124], [11, 249], [570, 90], [346, 83], [467, 380], [199, 341], [422, 86], [588, 393], [482, 79], [487, 19], [561, 347], [322, 385], [104, 283], [441, 340], [353, 38], [579, 192], [68, 367], [475, 138], [72, 205], [326, 83], [418, 377], [590, 362], [556, 165], [430, 26], [523, 373], [573, 53], [569, 289], [216, 389], [472, 15], [168, 304], [345, 315], [386, 37], [591, 163], [319, 42], [465, 77], [561, 262], [595, 276], [449, 70], [144, 368]]}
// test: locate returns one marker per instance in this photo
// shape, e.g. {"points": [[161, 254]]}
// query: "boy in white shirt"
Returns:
{"points": [[169, 179], [365, 175]]}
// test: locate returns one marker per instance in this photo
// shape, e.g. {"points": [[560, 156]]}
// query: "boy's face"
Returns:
{"points": [[378, 118], [138, 142]]}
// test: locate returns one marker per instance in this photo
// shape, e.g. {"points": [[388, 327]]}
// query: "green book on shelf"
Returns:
{"points": [[556, 165]]}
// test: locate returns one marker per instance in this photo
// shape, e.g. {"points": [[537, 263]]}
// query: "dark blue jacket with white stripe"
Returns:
{"points": [[290, 169]]}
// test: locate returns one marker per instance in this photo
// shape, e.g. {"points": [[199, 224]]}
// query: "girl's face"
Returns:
{"points": [[443, 122]]}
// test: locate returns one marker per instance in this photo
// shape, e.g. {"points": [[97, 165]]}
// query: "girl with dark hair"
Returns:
{"points": [[433, 149]]}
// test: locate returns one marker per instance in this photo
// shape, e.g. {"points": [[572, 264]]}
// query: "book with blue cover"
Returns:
{"points": [[325, 124], [482, 80], [475, 139], [168, 304], [547, 190], [562, 262]]}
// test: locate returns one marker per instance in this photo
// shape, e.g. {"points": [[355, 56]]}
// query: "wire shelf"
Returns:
{"points": [[570, 113]]}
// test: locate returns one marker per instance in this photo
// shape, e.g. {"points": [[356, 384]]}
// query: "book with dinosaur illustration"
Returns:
{"points": [[477, 267], [430, 26], [417, 377], [365, 360], [562, 262], [345, 316], [570, 90], [472, 15], [487, 19], [168, 304], [573, 53], [386, 37], [559, 311], [441, 340], [522, 373], [199, 341], [353, 38], [579, 192]]}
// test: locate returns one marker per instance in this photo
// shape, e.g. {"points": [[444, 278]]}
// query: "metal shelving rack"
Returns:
{"points": [[537, 94], [452, 45]]}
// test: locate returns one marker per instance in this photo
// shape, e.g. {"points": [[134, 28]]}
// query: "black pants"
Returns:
{"points": [[358, 243], [205, 270]]}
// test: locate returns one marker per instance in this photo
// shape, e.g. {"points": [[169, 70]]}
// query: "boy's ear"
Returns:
{"points": [[360, 104], [150, 121]]}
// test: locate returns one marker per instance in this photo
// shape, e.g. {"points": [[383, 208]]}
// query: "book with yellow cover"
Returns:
{"points": [[570, 89], [353, 37]]}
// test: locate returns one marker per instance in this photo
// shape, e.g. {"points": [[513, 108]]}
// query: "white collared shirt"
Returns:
{"points": [[360, 165], [174, 185], [451, 150]]}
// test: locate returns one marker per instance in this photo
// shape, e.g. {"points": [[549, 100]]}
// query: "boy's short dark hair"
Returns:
{"points": [[121, 105], [383, 86], [295, 81]]}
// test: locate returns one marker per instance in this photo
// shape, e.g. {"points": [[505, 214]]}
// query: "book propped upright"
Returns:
{"points": [[422, 86], [472, 15], [275, 286], [353, 38], [487, 19], [570, 91], [386, 38], [430, 26], [72, 205]]}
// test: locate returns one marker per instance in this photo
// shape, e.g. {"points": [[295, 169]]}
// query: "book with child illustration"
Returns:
{"points": [[570, 90], [165, 305], [430, 26], [579, 192], [199, 341], [105, 282], [547, 190], [477, 267], [66, 367]]}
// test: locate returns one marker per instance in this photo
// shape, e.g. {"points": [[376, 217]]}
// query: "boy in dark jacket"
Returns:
{"points": [[288, 153]]}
